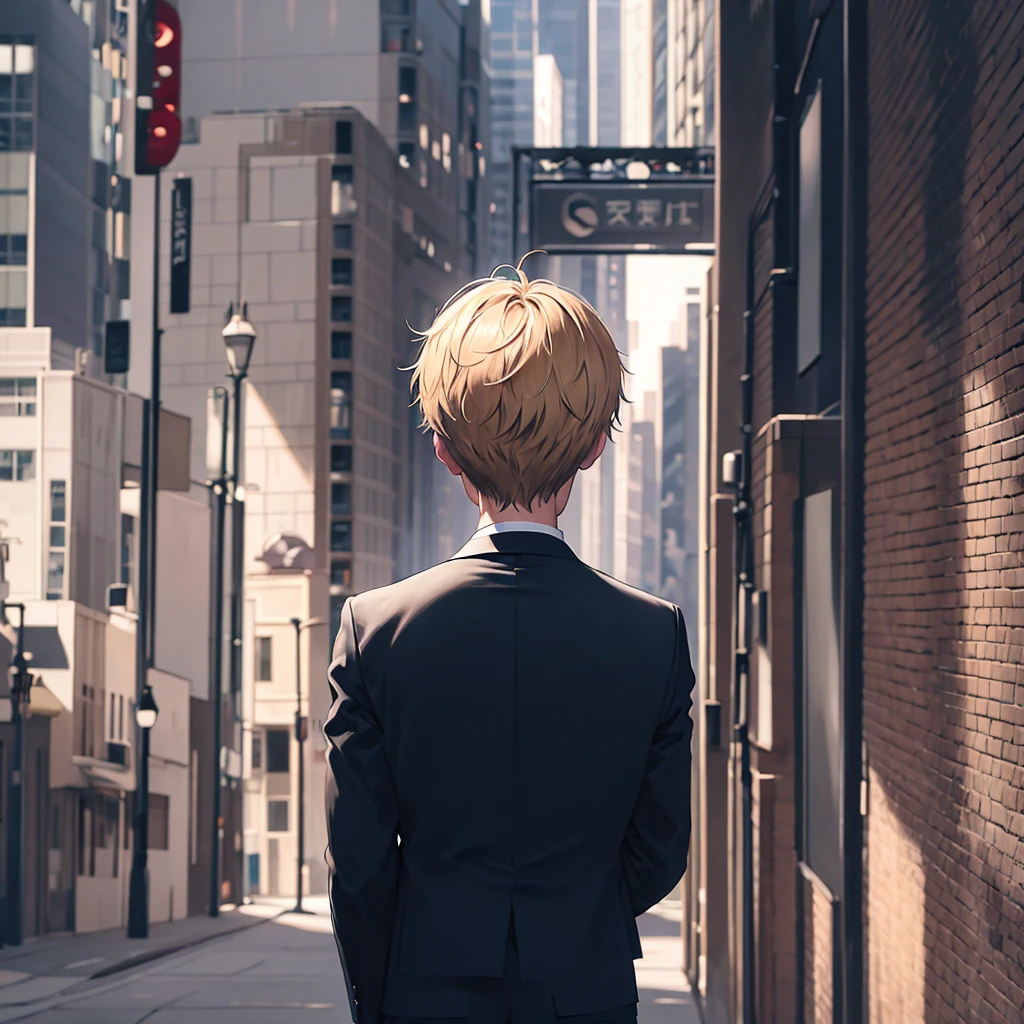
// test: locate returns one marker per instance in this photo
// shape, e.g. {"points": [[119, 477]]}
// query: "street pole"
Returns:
{"points": [[145, 623], [217, 682], [138, 879], [237, 545], [300, 740], [16, 800]]}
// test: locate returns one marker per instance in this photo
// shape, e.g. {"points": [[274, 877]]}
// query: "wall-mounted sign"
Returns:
{"points": [[629, 216], [181, 244]]}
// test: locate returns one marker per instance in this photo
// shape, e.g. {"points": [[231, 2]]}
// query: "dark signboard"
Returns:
{"points": [[634, 216], [181, 244]]}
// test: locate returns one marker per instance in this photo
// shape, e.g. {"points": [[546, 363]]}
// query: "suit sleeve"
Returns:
{"points": [[362, 829], [658, 836]]}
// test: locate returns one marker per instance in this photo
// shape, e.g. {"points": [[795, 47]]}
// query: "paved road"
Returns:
{"points": [[286, 970]]}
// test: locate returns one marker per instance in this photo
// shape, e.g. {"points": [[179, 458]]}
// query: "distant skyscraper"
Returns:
{"points": [[511, 70]]}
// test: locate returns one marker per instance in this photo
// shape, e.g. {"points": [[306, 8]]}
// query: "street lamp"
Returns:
{"points": [[138, 881], [300, 739], [239, 338], [21, 682]]}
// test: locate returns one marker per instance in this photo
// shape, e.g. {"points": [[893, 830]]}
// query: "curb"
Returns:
{"points": [[150, 955]]}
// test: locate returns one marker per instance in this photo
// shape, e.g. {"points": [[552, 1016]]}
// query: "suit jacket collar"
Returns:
{"points": [[515, 542]]}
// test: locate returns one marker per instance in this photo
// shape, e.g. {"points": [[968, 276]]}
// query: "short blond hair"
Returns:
{"points": [[520, 378]]}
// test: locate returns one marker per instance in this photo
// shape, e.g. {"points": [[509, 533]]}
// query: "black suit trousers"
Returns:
{"points": [[510, 1000]]}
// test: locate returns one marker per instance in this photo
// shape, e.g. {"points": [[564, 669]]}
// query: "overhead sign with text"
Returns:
{"points": [[634, 216]]}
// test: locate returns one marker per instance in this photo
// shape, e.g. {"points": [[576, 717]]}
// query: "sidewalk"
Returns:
{"points": [[665, 996], [47, 966]]}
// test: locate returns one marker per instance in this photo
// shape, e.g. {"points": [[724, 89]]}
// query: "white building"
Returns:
{"points": [[69, 470]]}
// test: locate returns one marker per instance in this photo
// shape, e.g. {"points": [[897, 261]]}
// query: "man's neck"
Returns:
{"points": [[541, 514]]}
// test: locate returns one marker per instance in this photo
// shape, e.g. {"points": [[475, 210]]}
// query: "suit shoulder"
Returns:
{"points": [[634, 596], [406, 595]]}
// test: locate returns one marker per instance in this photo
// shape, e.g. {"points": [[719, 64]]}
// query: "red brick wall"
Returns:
{"points": [[944, 507]]}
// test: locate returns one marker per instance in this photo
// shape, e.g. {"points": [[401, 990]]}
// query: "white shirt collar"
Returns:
{"points": [[510, 527]]}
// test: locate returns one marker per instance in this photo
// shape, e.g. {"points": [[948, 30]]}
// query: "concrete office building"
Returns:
{"points": [[684, 71], [310, 217], [69, 471], [65, 212], [344, 492]]}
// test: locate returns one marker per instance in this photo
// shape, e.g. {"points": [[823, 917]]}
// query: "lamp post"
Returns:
{"points": [[21, 681], [138, 885], [219, 487], [300, 739], [239, 338]]}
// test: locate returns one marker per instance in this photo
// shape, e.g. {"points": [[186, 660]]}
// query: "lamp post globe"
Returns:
{"points": [[146, 712], [239, 337]]}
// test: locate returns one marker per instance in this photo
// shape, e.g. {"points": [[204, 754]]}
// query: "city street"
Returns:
{"points": [[286, 968]]}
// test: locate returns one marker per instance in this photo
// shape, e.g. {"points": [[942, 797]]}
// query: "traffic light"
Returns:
{"points": [[158, 86]]}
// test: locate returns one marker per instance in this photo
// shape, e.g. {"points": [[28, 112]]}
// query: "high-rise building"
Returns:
{"points": [[46, 205], [684, 72], [345, 202], [513, 44]]}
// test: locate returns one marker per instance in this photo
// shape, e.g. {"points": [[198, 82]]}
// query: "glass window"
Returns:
{"points": [[17, 396], [278, 750], [341, 533], [263, 659], [342, 236], [406, 152], [55, 576], [127, 547], [341, 500], [808, 316], [341, 273], [57, 538], [341, 405], [23, 94], [406, 85], [257, 749], [343, 197], [341, 309], [341, 458], [57, 510], [13, 250], [341, 345], [341, 574], [343, 137], [277, 815], [406, 118], [25, 465]]}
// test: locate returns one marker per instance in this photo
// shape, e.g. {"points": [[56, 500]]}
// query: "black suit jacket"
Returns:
{"points": [[522, 723]]}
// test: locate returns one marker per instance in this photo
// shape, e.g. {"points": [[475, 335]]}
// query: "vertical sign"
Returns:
{"points": [[181, 244]]}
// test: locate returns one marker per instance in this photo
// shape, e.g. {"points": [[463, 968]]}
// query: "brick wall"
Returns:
{"points": [[818, 926], [944, 512]]}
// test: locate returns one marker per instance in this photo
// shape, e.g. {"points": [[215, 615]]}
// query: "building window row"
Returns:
{"points": [[57, 553], [343, 196], [17, 396], [341, 458], [17, 465], [341, 344], [263, 660], [341, 275], [342, 236], [341, 405], [13, 250], [17, 67]]}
